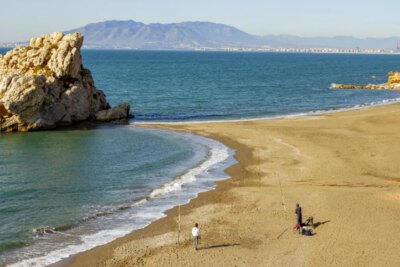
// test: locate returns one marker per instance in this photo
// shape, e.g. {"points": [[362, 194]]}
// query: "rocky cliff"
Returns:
{"points": [[393, 83], [45, 85]]}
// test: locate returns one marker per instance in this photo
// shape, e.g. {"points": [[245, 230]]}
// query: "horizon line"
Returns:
{"points": [[217, 23]]}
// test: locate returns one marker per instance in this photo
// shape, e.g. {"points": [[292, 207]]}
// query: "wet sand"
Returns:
{"points": [[343, 168]]}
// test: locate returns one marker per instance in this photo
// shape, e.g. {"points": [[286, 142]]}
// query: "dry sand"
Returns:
{"points": [[343, 168]]}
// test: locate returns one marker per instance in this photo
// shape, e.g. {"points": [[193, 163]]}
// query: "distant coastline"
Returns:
{"points": [[246, 50], [209, 36], [243, 49]]}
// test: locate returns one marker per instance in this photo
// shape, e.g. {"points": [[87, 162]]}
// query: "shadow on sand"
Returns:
{"points": [[320, 223], [219, 246]]}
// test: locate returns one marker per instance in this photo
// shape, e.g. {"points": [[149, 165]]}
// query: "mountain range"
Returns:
{"points": [[184, 35], [197, 35], [129, 34]]}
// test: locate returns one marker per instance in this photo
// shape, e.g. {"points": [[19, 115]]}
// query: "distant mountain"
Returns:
{"points": [[185, 35], [196, 35], [206, 35]]}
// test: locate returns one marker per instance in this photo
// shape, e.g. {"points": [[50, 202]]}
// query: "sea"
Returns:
{"points": [[90, 185]]}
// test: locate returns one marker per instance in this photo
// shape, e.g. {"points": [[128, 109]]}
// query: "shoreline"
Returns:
{"points": [[249, 173], [157, 227], [210, 159], [362, 106]]}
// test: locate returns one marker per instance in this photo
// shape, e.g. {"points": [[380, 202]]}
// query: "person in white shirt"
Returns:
{"points": [[196, 235]]}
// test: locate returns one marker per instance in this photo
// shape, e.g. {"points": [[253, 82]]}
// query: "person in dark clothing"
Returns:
{"points": [[299, 215]]}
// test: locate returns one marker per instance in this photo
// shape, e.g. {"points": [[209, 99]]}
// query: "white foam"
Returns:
{"points": [[218, 154], [333, 86], [88, 242]]}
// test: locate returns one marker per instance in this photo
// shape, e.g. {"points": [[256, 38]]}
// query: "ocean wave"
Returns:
{"points": [[109, 210], [217, 154]]}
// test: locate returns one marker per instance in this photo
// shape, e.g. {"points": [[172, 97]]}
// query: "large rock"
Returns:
{"points": [[393, 83], [119, 113], [44, 85]]}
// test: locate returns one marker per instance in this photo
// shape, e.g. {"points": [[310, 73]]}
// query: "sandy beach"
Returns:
{"points": [[343, 169]]}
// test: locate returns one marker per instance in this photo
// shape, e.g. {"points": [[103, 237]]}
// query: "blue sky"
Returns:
{"points": [[22, 19]]}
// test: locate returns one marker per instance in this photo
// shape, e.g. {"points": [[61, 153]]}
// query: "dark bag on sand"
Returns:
{"points": [[307, 232]]}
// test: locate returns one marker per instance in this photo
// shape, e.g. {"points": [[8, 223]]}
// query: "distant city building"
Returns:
{"points": [[262, 48]]}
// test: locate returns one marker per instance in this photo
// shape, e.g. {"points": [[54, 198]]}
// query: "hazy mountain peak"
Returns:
{"points": [[202, 34]]}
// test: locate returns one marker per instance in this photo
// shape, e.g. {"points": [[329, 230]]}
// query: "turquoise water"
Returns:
{"points": [[94, 185], [178, 86], [98, 184], [187, 86], [66, 176]]}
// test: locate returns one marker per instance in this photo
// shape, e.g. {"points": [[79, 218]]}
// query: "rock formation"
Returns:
{"points": [[118, 114], [393, 83], [44, 85], [394, 80]]}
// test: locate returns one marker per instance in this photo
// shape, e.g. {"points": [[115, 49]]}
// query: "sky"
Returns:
{"points": [[22, 19]]}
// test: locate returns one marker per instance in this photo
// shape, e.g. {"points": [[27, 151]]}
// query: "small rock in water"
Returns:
{"points": [[44, 230], [117, 114]]}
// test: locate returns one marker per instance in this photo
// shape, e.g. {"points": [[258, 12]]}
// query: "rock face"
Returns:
{"points": [[393, 83], [44, 85], [119, 114]]}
